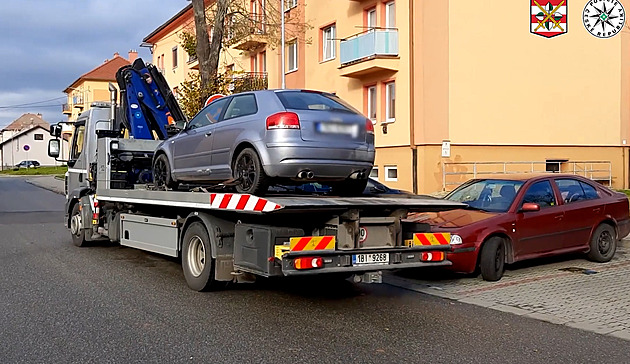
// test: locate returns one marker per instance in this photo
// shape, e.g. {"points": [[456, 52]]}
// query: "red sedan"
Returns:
{"points": [[520, 217]]}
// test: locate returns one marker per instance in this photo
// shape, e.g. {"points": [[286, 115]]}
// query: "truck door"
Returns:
{"points": [[77, 168]]}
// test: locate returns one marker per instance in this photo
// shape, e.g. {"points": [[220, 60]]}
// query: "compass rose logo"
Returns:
{"points": [[604, 18]]}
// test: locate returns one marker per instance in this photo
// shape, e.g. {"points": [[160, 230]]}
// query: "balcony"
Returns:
{"points": [[77, 100], [369, 52], [248, 81], [66, 109], [249, 34]]}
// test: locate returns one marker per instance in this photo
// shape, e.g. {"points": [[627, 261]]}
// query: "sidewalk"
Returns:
{"points": [[576, 292], [48, 182]]}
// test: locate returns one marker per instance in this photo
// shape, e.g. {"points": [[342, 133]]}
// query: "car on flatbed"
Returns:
{"points": [[268, 137], [518, 217]]}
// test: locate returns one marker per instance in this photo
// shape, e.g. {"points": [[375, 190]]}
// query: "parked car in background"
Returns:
{"points": [[513, 218], [27, 164], [267, 137]]}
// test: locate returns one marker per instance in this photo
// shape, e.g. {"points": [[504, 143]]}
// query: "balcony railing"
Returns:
{"points": [[77, 100], [369, 44], [66, 108], [248, 81]]}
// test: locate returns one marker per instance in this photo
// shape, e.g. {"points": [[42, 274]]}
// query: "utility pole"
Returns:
{"points": [[284, 84]]}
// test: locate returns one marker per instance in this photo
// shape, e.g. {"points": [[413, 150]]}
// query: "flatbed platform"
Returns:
{"points": [[275, 203]]}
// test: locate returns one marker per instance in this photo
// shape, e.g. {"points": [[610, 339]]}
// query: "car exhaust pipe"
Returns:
{"points": [[358, 175], [306, 174]]}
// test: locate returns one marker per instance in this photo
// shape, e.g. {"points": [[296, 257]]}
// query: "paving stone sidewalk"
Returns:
{"points": [[598, 302]]}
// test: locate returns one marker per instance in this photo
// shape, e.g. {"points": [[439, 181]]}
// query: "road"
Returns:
{"points": [[105, 303]]}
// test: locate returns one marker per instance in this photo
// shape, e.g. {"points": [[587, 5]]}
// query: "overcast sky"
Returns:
{"points": [[47, 44]]}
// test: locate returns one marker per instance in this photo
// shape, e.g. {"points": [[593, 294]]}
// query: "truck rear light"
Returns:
{"points": [[369, 127], [432, 256], [308, 262], [283, 120]]}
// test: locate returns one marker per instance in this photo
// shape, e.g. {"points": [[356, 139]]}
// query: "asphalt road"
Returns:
{"points": [[63, 304]]}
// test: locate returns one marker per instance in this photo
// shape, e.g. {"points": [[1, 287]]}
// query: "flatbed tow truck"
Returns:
{"points": [[222, 236]]}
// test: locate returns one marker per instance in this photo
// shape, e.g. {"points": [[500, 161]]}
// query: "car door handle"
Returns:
{"points": [[597, 210], [208, 133], [558, 217]]}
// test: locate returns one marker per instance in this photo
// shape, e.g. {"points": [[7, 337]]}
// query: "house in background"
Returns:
{"points": [[26, 138], [94, 85]]}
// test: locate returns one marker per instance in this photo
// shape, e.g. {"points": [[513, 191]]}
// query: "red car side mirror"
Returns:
{"points": [[530, 207]]}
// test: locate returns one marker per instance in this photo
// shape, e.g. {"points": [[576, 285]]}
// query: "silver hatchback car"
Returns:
{"points": [[269, 137]]}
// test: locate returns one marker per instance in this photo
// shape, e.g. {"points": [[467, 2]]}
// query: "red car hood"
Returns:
{"points": [[451, 219]]}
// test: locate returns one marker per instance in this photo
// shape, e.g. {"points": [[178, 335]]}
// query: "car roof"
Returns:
{"points": [[529, 176]]}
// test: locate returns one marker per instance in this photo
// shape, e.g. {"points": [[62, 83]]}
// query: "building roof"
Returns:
{"points": [[26, 121], [187, 9], [104, 72], [23, 132]]}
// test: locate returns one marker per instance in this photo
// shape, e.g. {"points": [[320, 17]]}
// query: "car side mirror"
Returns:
{"points": [[54, 146], [530, 207]]}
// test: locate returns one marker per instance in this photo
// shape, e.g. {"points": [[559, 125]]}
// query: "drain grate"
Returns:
{"points": [[578, 270]]}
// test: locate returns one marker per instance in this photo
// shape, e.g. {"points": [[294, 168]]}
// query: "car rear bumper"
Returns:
{"points": [[325, 163]]}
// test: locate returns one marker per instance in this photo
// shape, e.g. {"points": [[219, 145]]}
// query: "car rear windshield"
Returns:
{"points": [[309, 100]]}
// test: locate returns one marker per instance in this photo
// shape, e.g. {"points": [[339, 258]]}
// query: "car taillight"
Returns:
{"points": [[369, 127], [308, 262], [283, 120]]}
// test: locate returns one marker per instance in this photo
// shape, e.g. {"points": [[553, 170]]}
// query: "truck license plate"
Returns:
{"points": [[374, 258]]}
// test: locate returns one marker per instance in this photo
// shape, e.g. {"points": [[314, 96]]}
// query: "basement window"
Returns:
{"points": [[553, 165], [391, 173], [374, 173]]}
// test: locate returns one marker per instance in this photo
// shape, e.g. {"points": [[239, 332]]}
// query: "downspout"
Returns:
{"points": [[412, 139]]}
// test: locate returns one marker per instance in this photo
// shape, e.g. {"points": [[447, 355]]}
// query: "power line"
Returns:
{"points": [[35, 106], [32, 103]]}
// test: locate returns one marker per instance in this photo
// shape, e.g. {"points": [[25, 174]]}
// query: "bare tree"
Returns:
{"points": [[208, 53]]}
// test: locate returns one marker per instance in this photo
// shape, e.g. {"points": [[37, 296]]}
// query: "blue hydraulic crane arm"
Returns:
{"points": [[148, 106]]}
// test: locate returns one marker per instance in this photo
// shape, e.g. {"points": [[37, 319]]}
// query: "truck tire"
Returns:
{"points": [[76, 226], [249, 171], [603, 244], [197, 262], [492, 261], [162, 173]]}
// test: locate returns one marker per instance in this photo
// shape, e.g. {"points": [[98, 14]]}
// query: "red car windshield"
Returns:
{"points": [[488, 195]]}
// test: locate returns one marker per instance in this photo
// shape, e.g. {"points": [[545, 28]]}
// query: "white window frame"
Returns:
{"points": [[328, 41], [292, 49], [388, 96], [371, 90], [374, 169], [290, 4], [391, 168], [389, 7], [368, 24], [175, 54]]}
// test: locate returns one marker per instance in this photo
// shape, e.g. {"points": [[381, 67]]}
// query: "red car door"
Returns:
{"points": [[540, 231], [582, 209]]}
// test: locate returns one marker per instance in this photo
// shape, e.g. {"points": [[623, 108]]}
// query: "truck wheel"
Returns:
{"points": [[492, 261], [197, 261], [603, 244], [76, 226], [249, 171], [162, 173], [349, 187]]}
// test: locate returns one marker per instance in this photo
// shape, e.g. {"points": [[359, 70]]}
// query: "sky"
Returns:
{"points": [[45, 45]]}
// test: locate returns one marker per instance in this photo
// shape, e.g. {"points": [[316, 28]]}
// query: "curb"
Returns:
{"points": [[55, 189]]}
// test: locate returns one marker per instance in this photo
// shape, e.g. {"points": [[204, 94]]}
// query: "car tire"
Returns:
{"points": [[78, 236], [603, 244], [349, 187], [197, 262], [492, 260], [248, 169], [162, 173]]}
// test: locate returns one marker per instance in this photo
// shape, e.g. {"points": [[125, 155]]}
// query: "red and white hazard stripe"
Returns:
{"points": [[237, 202]]}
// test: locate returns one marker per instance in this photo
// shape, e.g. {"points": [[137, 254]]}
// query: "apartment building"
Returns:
{"points": [[453, 91], [94, 85]]}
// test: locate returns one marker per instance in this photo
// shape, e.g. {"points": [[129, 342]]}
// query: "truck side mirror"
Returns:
{"points": [[53, 148], [55, 130]]}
